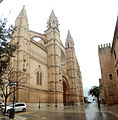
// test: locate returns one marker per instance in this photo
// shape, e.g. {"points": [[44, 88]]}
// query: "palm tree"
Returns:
{"points": [[95, 91]]}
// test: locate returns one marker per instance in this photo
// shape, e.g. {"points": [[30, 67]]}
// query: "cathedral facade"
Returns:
{"points": [[52, 70], [108, 57]]}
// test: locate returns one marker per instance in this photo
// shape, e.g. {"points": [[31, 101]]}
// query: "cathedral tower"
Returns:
{"points": [[21, 37], [53, 45], [73, 71], [21, 60]]}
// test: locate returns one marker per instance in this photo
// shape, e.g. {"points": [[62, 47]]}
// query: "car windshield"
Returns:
{"points": [[10, 105]]}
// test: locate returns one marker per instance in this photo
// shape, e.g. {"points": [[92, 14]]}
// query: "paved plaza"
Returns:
{"points": [[83, 112]]}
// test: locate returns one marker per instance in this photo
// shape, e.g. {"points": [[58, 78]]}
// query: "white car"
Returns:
{"points": [[17, 107]]}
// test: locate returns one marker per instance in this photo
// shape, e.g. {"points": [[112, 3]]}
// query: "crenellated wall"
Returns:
{"points": [[109, 71]]}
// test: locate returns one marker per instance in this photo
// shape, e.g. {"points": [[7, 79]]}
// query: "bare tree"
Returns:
{"points": [[1, 1], [8, 79]]}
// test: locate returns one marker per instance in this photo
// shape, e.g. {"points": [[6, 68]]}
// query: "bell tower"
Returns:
{"points": [[73, 70], [53, 45], [21, 60]]}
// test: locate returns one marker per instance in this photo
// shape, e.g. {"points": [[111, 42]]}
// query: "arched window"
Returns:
{"points": [[115, 54], [110, 76], [39, 78], [39, 75]]}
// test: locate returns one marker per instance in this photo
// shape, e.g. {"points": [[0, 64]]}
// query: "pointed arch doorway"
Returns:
{"points": [[65, 91]]}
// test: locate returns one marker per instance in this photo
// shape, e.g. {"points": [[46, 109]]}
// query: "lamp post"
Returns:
{"points": [[12, 111], [14, 86]]}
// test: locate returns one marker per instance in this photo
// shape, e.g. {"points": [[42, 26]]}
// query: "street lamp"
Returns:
{"points": [[14, 86], [12, 111]]}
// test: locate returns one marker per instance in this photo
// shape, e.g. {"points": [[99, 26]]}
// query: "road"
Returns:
{"points": [[83, 112]]}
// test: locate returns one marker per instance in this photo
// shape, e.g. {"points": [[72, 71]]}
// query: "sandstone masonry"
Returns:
{"points": [[53, 72]]}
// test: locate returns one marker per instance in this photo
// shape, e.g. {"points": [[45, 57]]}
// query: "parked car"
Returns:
{"points": [[17, 107], [1, 104]]}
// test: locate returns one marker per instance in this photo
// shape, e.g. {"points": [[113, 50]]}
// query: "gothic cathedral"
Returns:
{"points": [[52, 70]]}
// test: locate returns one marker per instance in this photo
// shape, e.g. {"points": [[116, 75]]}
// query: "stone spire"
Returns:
{"points": [[21, 24], [52, 22], [52, 15], [69, 41], [22, 19]]}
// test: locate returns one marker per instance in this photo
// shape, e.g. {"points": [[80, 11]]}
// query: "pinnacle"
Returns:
{"points": [[52, 21], [117, 19], [69, 40], [68, 31], [22, 17], [23, 6], [23, 12], [52, 15], [69, 36]]}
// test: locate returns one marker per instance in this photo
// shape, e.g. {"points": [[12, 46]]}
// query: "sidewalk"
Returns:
{"points": [[2, 117], [16, 118], [113, 109]]}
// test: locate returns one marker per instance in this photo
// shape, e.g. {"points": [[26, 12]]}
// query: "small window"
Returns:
{"points": [[110, 76], [39, 78], [117, 72], [114, 54]]}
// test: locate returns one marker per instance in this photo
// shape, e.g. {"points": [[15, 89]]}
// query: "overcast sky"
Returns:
{"points": [[91, 22]]}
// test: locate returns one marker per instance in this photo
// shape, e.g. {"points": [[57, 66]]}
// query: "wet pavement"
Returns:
{"points": [[83, 112], [93, 113]]}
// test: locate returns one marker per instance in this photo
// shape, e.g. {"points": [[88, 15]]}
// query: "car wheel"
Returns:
{"points": [[24, 109]]}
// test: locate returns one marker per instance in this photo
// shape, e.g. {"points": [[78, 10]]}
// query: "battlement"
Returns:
{"points": [[107, 45], [104, 49]]}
